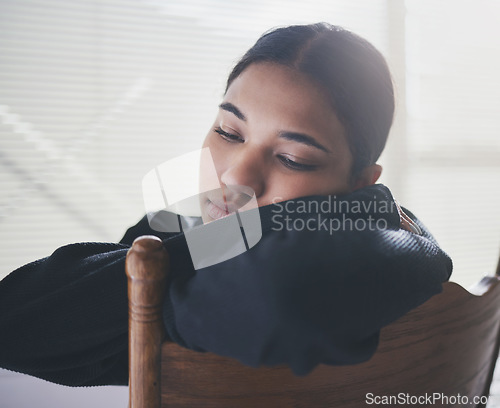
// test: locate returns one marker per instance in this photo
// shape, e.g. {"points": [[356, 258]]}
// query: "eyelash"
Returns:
{"points": [[296, 166], [232, 138], [229, 137]]}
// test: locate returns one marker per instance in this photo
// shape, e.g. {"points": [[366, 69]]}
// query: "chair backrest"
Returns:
{"points": [[441, 353]]}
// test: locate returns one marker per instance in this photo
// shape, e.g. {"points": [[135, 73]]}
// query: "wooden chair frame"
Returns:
{"points": [[448, 346]]}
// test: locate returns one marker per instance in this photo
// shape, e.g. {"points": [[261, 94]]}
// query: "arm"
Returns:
{"points": [[307, 297], [296, 298], [64, 318], [314, 298]]}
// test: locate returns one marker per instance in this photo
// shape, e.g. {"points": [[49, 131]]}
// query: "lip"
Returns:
{"points": [[215, 211]]}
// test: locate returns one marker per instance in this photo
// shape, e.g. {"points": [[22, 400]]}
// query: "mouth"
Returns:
{"points": [[216, 211]]}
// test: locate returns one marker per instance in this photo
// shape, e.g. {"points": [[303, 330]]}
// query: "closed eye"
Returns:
{"points": [[291, 164], [229, 137]]}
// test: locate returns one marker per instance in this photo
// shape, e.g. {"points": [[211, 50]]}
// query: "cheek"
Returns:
{"points": [[208, 179], [281, 187], [218, 154], [306, 185]]}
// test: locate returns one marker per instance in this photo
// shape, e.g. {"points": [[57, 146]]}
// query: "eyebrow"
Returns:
{"points": [[304, 139], [228, 106]]}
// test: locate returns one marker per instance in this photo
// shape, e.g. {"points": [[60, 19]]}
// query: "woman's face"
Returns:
{"points": [[275, 136]]}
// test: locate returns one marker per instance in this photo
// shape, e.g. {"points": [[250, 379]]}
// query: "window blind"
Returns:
{"points": [[453, 89], [95, 93]]}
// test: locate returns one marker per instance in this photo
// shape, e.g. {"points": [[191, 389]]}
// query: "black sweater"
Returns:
{"points": [[297, 297]]}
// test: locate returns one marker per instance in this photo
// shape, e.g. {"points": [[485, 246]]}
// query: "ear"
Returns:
{"points": [[368, 176]]}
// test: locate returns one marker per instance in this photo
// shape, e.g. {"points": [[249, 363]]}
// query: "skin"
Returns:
{"points": [[277, 136]]}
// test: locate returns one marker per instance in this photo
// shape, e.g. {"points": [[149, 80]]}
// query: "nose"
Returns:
{"points": [[244, 174]]}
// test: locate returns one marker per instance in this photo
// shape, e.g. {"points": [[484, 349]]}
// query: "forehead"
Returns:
{"points": [[278, 95]]}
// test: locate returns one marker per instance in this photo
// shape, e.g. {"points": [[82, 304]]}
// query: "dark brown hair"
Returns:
{"points": [[351, 70]]}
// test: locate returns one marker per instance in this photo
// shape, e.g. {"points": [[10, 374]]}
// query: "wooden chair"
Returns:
{"points": [[448, 345]]}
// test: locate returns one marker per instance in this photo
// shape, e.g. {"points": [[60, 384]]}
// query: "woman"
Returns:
{"points": [[305, 116]]}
